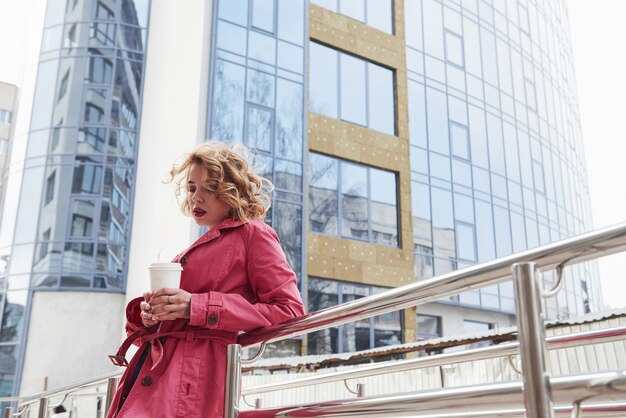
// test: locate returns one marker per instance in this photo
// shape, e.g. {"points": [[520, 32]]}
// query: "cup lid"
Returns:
{"points": [[165, 266]]}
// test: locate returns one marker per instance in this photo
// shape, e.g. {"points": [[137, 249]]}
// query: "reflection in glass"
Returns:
{"points": [[354, 201], [260, 128], [289, 229], [288, 175], [368, 200], [13, 316], [384, 213], [289, 119], [364, 334], [260, 88], [323, 194], [228, 101]]}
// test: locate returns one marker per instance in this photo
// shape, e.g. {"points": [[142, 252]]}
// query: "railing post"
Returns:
{"points": [[232, 392], [43, 408], [111, 388], [7, 412], [532, 341]]}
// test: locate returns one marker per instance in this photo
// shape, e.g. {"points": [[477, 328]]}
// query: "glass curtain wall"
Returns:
{"points": [[496, 154], [73, 222], [258, 97]]}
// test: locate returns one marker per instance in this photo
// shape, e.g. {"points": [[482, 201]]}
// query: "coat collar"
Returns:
{"points": [[216, 231]]}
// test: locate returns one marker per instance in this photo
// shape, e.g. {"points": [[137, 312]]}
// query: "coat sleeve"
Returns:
{"points": [[273, 282]]}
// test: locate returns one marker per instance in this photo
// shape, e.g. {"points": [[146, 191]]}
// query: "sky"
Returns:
{"points": [[598, 32]]}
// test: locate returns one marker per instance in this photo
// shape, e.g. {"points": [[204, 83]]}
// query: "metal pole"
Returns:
{"points": [[43, 408], [7, 412], [532, 341], [232, 391], [111, 388]]}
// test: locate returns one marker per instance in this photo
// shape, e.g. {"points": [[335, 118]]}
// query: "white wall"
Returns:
{"points": [[172, 122], [69, 338]]}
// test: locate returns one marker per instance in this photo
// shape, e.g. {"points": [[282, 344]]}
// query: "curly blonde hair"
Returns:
{"points": [[229, 176]]}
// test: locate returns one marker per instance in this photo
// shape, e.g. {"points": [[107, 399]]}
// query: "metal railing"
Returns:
{"points": [[537, 396], [534, 396]]}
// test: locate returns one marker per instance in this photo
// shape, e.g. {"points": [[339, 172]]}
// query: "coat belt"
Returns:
{"points": [[145, 336]]}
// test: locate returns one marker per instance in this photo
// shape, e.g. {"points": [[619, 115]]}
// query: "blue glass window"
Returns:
{"points": [[353, 200], [379, 331], [352, 89], [375, 13]]}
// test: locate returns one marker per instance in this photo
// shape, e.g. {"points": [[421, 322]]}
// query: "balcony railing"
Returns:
{"points": [[537, 395]]}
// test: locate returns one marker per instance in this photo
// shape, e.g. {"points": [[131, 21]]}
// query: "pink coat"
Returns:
{"points": [[239, 280]]}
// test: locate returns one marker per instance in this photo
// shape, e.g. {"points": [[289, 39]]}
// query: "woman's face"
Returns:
{"points": [[206, 209]]}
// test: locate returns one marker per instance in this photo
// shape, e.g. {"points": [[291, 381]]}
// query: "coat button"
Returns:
{"points": [[146, 381], [183, 261], [212, 319]]}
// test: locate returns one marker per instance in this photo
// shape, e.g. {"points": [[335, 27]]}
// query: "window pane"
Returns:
{"points": [[234, 10], [263, 14], [260, 88], [437, 121], [353, 8], [353, 89], [322, 294], [465, 241], [327, 4], [454, 49], [231, 37], [354, 201], [228, 101], [290, 57], [381, 99], [291, 21], [323, 195], [428, 327], [259, 128], [460, 141], [323, 80], [384, 213], [262, 47], [289, 117], [380, 15], [356, 335]]}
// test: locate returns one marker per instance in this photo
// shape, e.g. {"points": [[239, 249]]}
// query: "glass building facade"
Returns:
{"points": [[258, 99], [497, 162], [74, 211]]}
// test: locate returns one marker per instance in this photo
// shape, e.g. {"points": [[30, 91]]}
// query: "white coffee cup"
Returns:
{"points": [[164, 275]]}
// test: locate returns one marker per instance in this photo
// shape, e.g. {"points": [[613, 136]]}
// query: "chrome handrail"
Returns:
{"points": [[531, 330], [578, 339], [599, 387], [569, 251]]}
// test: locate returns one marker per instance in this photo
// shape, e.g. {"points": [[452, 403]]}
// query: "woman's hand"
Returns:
{"points": [[146, 311], [168, 304]]}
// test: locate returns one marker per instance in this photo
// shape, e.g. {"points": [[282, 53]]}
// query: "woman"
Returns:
{"points": [[235, 278]]}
